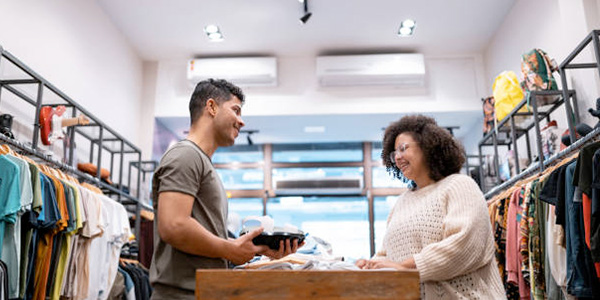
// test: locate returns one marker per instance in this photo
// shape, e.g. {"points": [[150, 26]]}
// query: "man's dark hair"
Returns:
{"points": [[442, 153], [218, 89]]}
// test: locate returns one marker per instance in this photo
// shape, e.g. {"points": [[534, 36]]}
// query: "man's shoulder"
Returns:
{"points": [[184, 150]]}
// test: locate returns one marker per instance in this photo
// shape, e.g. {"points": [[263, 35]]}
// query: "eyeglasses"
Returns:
{"points": [[400, 150]]}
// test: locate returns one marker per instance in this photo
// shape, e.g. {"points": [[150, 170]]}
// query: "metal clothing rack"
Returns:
{"points": [[592, 37], [24, 83], [572, 118], [28, 150], [535, 168], [508, 126]]}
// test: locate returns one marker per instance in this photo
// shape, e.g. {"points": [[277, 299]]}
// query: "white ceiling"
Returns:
{"points": [[161, 29], [173, 30]]}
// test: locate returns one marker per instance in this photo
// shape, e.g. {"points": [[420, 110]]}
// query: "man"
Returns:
{"points": [[189, 199]]}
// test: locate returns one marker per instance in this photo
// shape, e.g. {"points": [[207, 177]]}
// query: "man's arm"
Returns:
{"points": [[177, 228]]}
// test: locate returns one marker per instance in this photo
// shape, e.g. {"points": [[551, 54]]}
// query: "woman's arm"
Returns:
{"points": [[468, 242]]}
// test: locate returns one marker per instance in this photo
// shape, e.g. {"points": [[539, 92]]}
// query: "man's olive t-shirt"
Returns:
{"points": [[186, 169]]}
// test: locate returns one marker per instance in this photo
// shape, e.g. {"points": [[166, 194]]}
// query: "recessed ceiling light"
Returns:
{"points": [[215, 36], [405, 31], [408, 23], [314, 129], [211, 29]]}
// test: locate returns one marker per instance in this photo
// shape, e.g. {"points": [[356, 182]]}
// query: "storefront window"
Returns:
{"points": [[383, 179], [317, 173], [382, 206], [240, 208], [238, 154], [242, 179], [341, 221], [376, 149], [324, 152]]}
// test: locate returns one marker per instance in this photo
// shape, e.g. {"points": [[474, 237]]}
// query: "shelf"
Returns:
{"points": [[525, 121], [571, 110], [516, 124]]}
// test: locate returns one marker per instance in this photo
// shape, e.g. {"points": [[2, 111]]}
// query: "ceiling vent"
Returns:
{"points": [[242, 71], [320, 186], [402, 70]]}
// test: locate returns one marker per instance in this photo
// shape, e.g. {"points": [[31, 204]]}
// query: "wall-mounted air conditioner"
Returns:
{"points": [[242, 71], [402, 70], [320, 186]]}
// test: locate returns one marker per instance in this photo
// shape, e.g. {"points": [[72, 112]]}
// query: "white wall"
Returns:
{"points": [[557, 27], [454, 85], [75, 46], [146, 128]]}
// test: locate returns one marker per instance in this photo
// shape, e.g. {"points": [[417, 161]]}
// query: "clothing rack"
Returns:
{"points": [[536, 168], [28, 86], [593, 39], [61, 166]]}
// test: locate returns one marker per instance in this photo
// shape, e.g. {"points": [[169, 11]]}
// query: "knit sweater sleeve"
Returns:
{"points": [[467, 242]]}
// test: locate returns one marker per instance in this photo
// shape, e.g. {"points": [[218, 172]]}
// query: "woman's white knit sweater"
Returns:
{"points": [[446, 228]]}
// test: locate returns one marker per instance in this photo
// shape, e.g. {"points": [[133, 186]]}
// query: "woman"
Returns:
{"points": [[440, 227]]}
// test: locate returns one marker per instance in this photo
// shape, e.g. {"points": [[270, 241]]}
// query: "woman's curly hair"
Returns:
{"points": [[442, 153]]}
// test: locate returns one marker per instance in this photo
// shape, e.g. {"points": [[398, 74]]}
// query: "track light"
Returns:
{"points": [[305, 18], [307, 14], [248, 137]]}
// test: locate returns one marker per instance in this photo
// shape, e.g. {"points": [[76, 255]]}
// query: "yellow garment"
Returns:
{"points": [[63, 258], [507, 93]]}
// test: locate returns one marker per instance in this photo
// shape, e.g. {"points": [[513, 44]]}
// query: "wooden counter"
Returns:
{"points": [[284, 284]]}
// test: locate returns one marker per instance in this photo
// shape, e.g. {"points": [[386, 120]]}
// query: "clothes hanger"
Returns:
{"points": [[564, 161], [128, 261], [5, 149]]}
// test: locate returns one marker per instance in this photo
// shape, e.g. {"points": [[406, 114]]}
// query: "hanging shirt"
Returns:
{"points": [[92, 229], [10, 188], [98, 253], [595, 213], [28, 220], [118, 233], [11, 246]]}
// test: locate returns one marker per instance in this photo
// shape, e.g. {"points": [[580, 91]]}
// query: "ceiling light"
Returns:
{"points": [[211, 29], [407, 27], [307, 14], [305, 18], [248, 137], [215, 36], [213, 33], [405, 31], [408, 23]]}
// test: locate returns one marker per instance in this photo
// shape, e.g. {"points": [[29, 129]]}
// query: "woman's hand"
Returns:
{"points": [[408, 264], [361, 263]]}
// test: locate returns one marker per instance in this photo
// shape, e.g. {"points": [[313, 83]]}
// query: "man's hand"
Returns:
{"points": [[244, 250], [285, 248]]}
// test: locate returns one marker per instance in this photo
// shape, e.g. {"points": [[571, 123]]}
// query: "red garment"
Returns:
{"points": [[587, 224]]}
